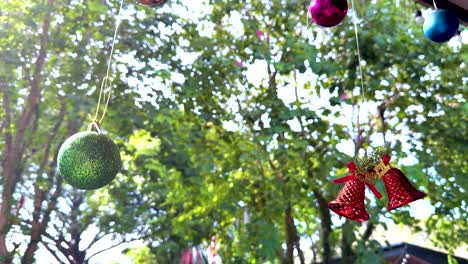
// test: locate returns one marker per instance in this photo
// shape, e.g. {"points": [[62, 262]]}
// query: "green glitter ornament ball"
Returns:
{"points": [[89, 160]]}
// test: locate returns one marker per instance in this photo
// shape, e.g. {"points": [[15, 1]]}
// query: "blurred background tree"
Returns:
{"points": [[233, 119]]}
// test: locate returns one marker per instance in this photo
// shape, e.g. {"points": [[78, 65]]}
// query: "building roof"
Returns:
{"points": [[405, 253], [412, 254]]}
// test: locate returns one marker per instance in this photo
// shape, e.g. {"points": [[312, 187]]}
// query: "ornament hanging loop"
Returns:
{"points": [[104, 97], [435, 5], [94, 126], [309, 21]]}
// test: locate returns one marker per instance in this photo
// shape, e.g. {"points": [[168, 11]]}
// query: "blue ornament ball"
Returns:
{"points": [[440, 25]]}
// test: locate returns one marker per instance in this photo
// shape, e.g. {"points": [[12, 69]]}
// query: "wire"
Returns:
{"points": [[308, 22], [107, 80], [358, 51]]}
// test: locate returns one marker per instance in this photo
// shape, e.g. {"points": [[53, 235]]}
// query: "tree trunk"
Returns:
{"points": [[346, 240], [289, 236], [8, 171], [325, 226], [14, 154], [28, 256], [292, 238], [39, 227], [9, 174]]}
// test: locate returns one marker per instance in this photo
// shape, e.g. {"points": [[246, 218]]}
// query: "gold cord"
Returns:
{"points": [[94, 126], [106, 83], [380, 170]]}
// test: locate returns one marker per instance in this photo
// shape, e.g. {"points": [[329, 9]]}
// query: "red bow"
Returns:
{"points": [[354, 175]]}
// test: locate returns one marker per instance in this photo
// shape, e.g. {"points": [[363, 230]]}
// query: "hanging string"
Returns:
{"points": [[435, 5], [308, 22], [363, 95], [361, 77], [106, 83]]}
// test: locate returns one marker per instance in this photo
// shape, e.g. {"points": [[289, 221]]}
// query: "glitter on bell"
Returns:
{"points": [[151, 3], [441, 25], [328, 13]]}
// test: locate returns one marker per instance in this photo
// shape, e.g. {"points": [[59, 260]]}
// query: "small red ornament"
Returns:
{"points": [[350, 200], [20, 205], [328, 13], [151, 3]]}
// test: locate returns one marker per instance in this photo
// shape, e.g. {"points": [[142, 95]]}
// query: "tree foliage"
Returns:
{"points": [[231, 122]]}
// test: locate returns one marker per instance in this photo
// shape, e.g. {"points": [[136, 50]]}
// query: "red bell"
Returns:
{"points": [[399, 190], [350, 201]]}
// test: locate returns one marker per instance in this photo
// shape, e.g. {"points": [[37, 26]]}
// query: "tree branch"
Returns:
{"points": [[13, 159], [7, 122], [52, 252], [111, 247], [368, 232], [96, 238], [382, 108], [39, 227], [58, 243], [35, 92], [297, 99]]}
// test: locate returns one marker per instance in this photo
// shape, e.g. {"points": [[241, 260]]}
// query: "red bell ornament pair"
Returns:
{"points": [[350, 200]]}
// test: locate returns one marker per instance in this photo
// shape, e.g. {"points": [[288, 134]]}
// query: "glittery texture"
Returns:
{"points": [[88, 160], [399, 190], [440, 25], [151, 3], [328, 13], [350, 201]]}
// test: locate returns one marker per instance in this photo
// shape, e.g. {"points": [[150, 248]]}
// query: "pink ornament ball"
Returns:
{"points": [[328, 13], [151, 3]]}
